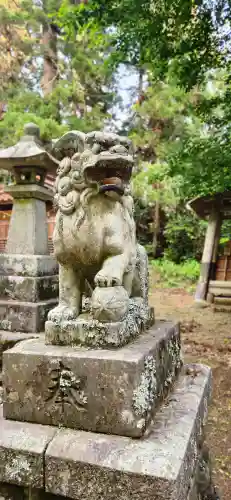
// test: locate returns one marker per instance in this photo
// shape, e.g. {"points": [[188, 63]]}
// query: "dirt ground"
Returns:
{"points": [[206, 338]]}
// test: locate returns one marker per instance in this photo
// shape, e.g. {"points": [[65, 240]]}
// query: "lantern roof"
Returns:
{"points": [[28, 152]]}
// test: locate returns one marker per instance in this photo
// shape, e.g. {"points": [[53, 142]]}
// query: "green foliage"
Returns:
{"points": [[189, 131], [226, 231], [176, 275], [151, 34], [153, 184], [161, 119], [143, 218], [203, 154], [181, 123], [184, 234], [11, 128], [83, 87]]}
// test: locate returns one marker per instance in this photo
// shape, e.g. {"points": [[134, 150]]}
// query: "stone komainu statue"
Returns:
{"points": [[95, 239]]}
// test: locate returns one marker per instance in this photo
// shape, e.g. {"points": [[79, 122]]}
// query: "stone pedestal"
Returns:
{"points": [[113, 391], [28, 274], [136, 391], [73, 412], [163, 465], [87, 331]]}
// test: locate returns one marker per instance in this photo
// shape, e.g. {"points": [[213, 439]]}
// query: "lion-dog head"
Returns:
{"points": [[91, 164]]}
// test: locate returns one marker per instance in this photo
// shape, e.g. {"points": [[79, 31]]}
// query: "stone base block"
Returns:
{"points": [[9, 339], [11, 492], [24, 316], [29, 289], [112, 391], [160, 466], [163, 465], [27, 265], [87, 331], [22, 448]]}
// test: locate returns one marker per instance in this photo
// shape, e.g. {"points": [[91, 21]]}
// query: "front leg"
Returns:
{"points": [[112, 271], [69, 295]]}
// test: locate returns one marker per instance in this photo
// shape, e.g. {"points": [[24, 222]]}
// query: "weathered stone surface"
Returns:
{"points": [[26, 191], [28, 152], [29, 289], [202, 485], [193, 491], [29, 265], [22, 448], [111, 391], [95, 243], [28, 275], [169, 463], [160, 466], [28, 228], [24, 316], [87, 331], [11, 492], [8, 340]]}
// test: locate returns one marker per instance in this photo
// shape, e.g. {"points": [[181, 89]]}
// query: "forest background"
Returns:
{"points": [[61, 66]]}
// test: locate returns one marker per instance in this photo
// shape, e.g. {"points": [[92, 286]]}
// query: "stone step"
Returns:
{"points": [[164, 464], [222, 300], [222, 304]]}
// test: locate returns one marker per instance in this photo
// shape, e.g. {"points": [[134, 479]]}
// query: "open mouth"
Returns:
{"points": [[110, 171], [111, 186]]}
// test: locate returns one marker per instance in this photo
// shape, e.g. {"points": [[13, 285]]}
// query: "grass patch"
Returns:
{"points": [[171, 275]]}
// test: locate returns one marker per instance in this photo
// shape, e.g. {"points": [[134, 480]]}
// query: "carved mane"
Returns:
{"points": [[79, 155]]}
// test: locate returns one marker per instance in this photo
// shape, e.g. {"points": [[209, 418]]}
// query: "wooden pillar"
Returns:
{"points": [[215, 249], [210, 248]]}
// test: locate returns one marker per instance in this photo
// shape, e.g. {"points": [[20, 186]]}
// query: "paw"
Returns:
{"points": [[62, 313], [103, 279]]}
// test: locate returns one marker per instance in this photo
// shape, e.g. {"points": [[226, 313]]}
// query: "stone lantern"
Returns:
{"points": [[28, 274]]}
